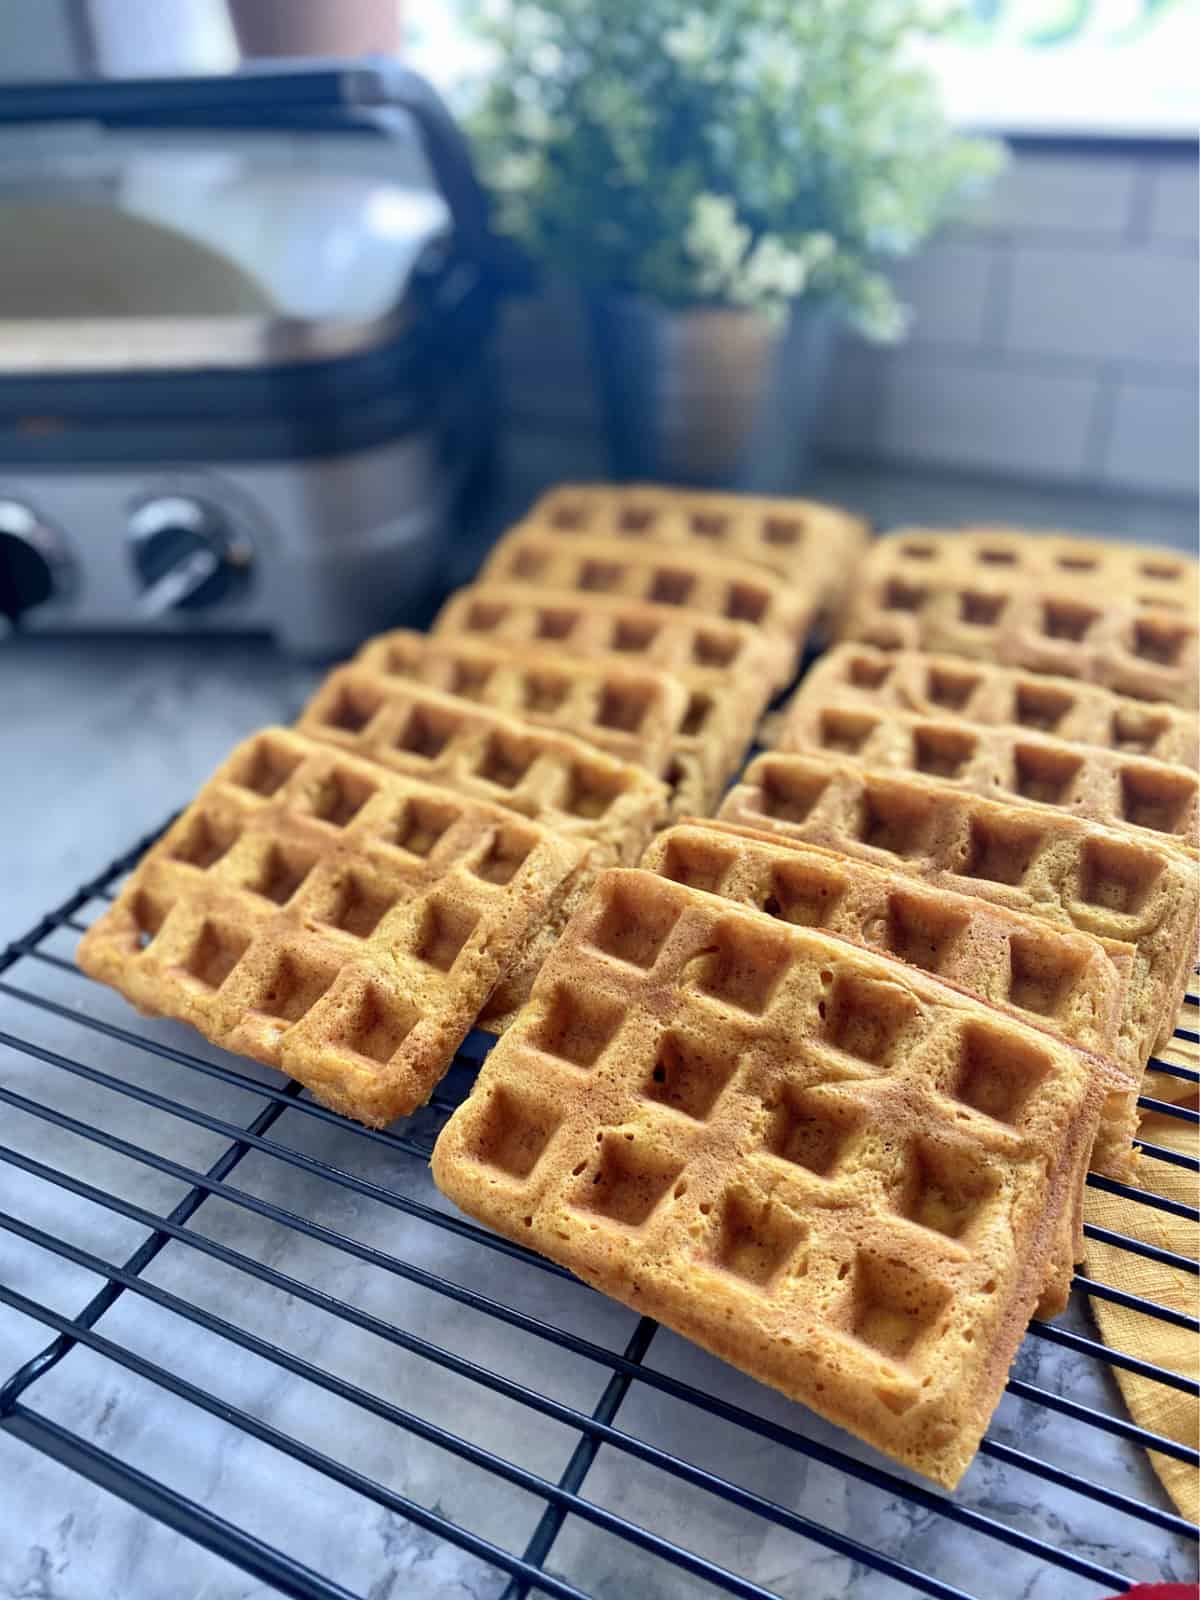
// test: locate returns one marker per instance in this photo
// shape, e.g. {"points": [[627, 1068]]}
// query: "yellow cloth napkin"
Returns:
{"points": [[1152, 1405]]}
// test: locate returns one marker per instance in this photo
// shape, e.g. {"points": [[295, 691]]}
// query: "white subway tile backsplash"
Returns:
{"points": [[1175, 200], [1078, 193], [1122, 304], [1056, 342], [1153, 444], [851, 408], [972, 414], [948, 287]]}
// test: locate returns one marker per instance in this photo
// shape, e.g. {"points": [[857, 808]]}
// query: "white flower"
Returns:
{"points": [[878, 313], [817, 249], [533, 122], [716, 241], [515, 171], [546, 59], [535, 21], [690, 41], [772, 272]]}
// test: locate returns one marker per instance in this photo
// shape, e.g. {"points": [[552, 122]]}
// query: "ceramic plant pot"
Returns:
{"points": [[714, 395]]}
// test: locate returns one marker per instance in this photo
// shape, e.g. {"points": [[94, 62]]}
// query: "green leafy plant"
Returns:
{"points": [[746, 152]]}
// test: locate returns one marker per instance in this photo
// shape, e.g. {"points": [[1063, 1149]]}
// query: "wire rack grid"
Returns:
{"points": [[262, 1327]]}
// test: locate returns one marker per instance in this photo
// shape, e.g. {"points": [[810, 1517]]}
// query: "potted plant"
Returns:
{"points": [[723, 182]]}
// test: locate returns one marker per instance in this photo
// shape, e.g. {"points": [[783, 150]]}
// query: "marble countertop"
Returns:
{"points": [[101, 739]]}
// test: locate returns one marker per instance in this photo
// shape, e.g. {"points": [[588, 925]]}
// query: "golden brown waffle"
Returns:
{"points": [[700, 649], [709, 586], [1072, 631], [546, 776], [822, 1165], [510, 995], [1051, 977], [330, 918], [725, 666], [1073, 873], [1048, 977], [628, 710], [979, 691], [814, 544], [1146, 798], [1150, 576]]}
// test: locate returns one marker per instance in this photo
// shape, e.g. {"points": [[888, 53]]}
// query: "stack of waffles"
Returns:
{"points": [[346, 899], [1118, 615], [716, 593], [815, 1080], [819, 1083]]}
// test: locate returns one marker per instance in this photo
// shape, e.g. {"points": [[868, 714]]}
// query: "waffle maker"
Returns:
{"points": [[244, 365]]}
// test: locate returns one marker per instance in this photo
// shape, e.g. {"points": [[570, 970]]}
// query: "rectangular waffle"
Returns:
{"points": [[1051, 977], [330, 918], [814, 544], [725, 666], [1048, 977], [1150, 576], [709, 586], [822, 1165], [710, 649], [541, 774], [510, 995], [1143, 797], [979, 691], [629, 710], [1073, 873], [1072, 631]]}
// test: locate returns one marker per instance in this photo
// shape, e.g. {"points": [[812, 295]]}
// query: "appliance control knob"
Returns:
{"points": [[34, 566], [185, 554]]}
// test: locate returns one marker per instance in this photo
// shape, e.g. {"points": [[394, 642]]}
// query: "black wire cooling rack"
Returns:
{"points": [[336, 1383]]}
